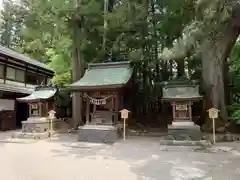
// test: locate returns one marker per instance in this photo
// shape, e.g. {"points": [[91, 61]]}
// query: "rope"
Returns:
{"points": [[97, 101]]}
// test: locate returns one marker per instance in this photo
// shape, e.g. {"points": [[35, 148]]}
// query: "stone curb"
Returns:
{"points": [[18, 141], [31, 136], [185, 143]]}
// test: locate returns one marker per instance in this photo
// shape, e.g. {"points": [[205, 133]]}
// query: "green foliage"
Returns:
{"points": [[234, 108], [234, 111]]}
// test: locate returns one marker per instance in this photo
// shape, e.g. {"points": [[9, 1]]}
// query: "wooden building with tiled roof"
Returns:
{"points": [[19, 75]]}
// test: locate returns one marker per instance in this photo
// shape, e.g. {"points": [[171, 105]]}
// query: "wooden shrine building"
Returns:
{"points": [[40, 102], [181, 95], [104, 86], [19, 75]]}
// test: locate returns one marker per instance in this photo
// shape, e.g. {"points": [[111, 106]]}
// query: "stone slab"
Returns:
{"points": [[98, 134], [185, 143], [183, 123], [185, 132], [18, 140], [195, 127], [23, 135]]}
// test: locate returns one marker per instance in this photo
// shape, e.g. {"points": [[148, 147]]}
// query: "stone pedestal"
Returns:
{"points": [[98, 134], [37, 128], [39, 125], [183, 131]]}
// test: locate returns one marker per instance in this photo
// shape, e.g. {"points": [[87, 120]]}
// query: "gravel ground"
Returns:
{"points": [[138, 158]]}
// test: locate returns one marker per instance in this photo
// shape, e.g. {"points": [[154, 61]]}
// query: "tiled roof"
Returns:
{"points": [[104, 74], [17, 89], [21, 57], [41, 94]]}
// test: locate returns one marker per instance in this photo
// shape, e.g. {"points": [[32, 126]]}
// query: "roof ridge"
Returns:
{"points": [[109, 64]]}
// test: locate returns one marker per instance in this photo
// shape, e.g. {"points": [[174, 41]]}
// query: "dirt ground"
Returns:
{"points": [[137, 158]]}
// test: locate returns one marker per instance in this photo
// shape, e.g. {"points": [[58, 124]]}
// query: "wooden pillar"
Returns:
{"points": [[87, 111], [117, 106], [47, 110], [112, 110], [40, 109], [190, 110], [25, 75], [5, 72], [30, 110], [174, 110]]}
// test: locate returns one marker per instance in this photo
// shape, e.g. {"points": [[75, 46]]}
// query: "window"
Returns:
{"points": [[15, 74], [10, 73], [35, 79], [20, 75], [1, 71]]}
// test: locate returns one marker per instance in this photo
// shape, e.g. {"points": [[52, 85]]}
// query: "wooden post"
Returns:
{"points": [[190, 110], [87, 111], [112, 110], [214, 134], [174, 110], [39, 109], [5, 72], [117, 105], [30, 110], [213, 114], [124, 128], [51, 116], [47, 107], [124, 116]]}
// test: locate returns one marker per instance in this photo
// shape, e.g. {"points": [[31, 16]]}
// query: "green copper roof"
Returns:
{"points": [[181, 91], [104, 75], [41, 94]]}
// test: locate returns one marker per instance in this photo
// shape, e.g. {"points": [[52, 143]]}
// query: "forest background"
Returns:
{"points": [[165, 39]]}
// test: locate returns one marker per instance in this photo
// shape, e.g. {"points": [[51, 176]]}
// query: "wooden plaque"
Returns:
{"points": [[213, 113], [124, 113]]}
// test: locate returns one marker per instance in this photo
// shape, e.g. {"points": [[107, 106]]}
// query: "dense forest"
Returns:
{"points": [[197, 38]]}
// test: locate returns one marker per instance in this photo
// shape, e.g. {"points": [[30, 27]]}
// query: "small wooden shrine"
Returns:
{"points": [[40, 102], [182, 95], [103, 86]]}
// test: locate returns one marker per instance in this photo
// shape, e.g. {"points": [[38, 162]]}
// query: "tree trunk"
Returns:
{"points": [[180, 67], [77, 101], [105, 24], [213, 56]]}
